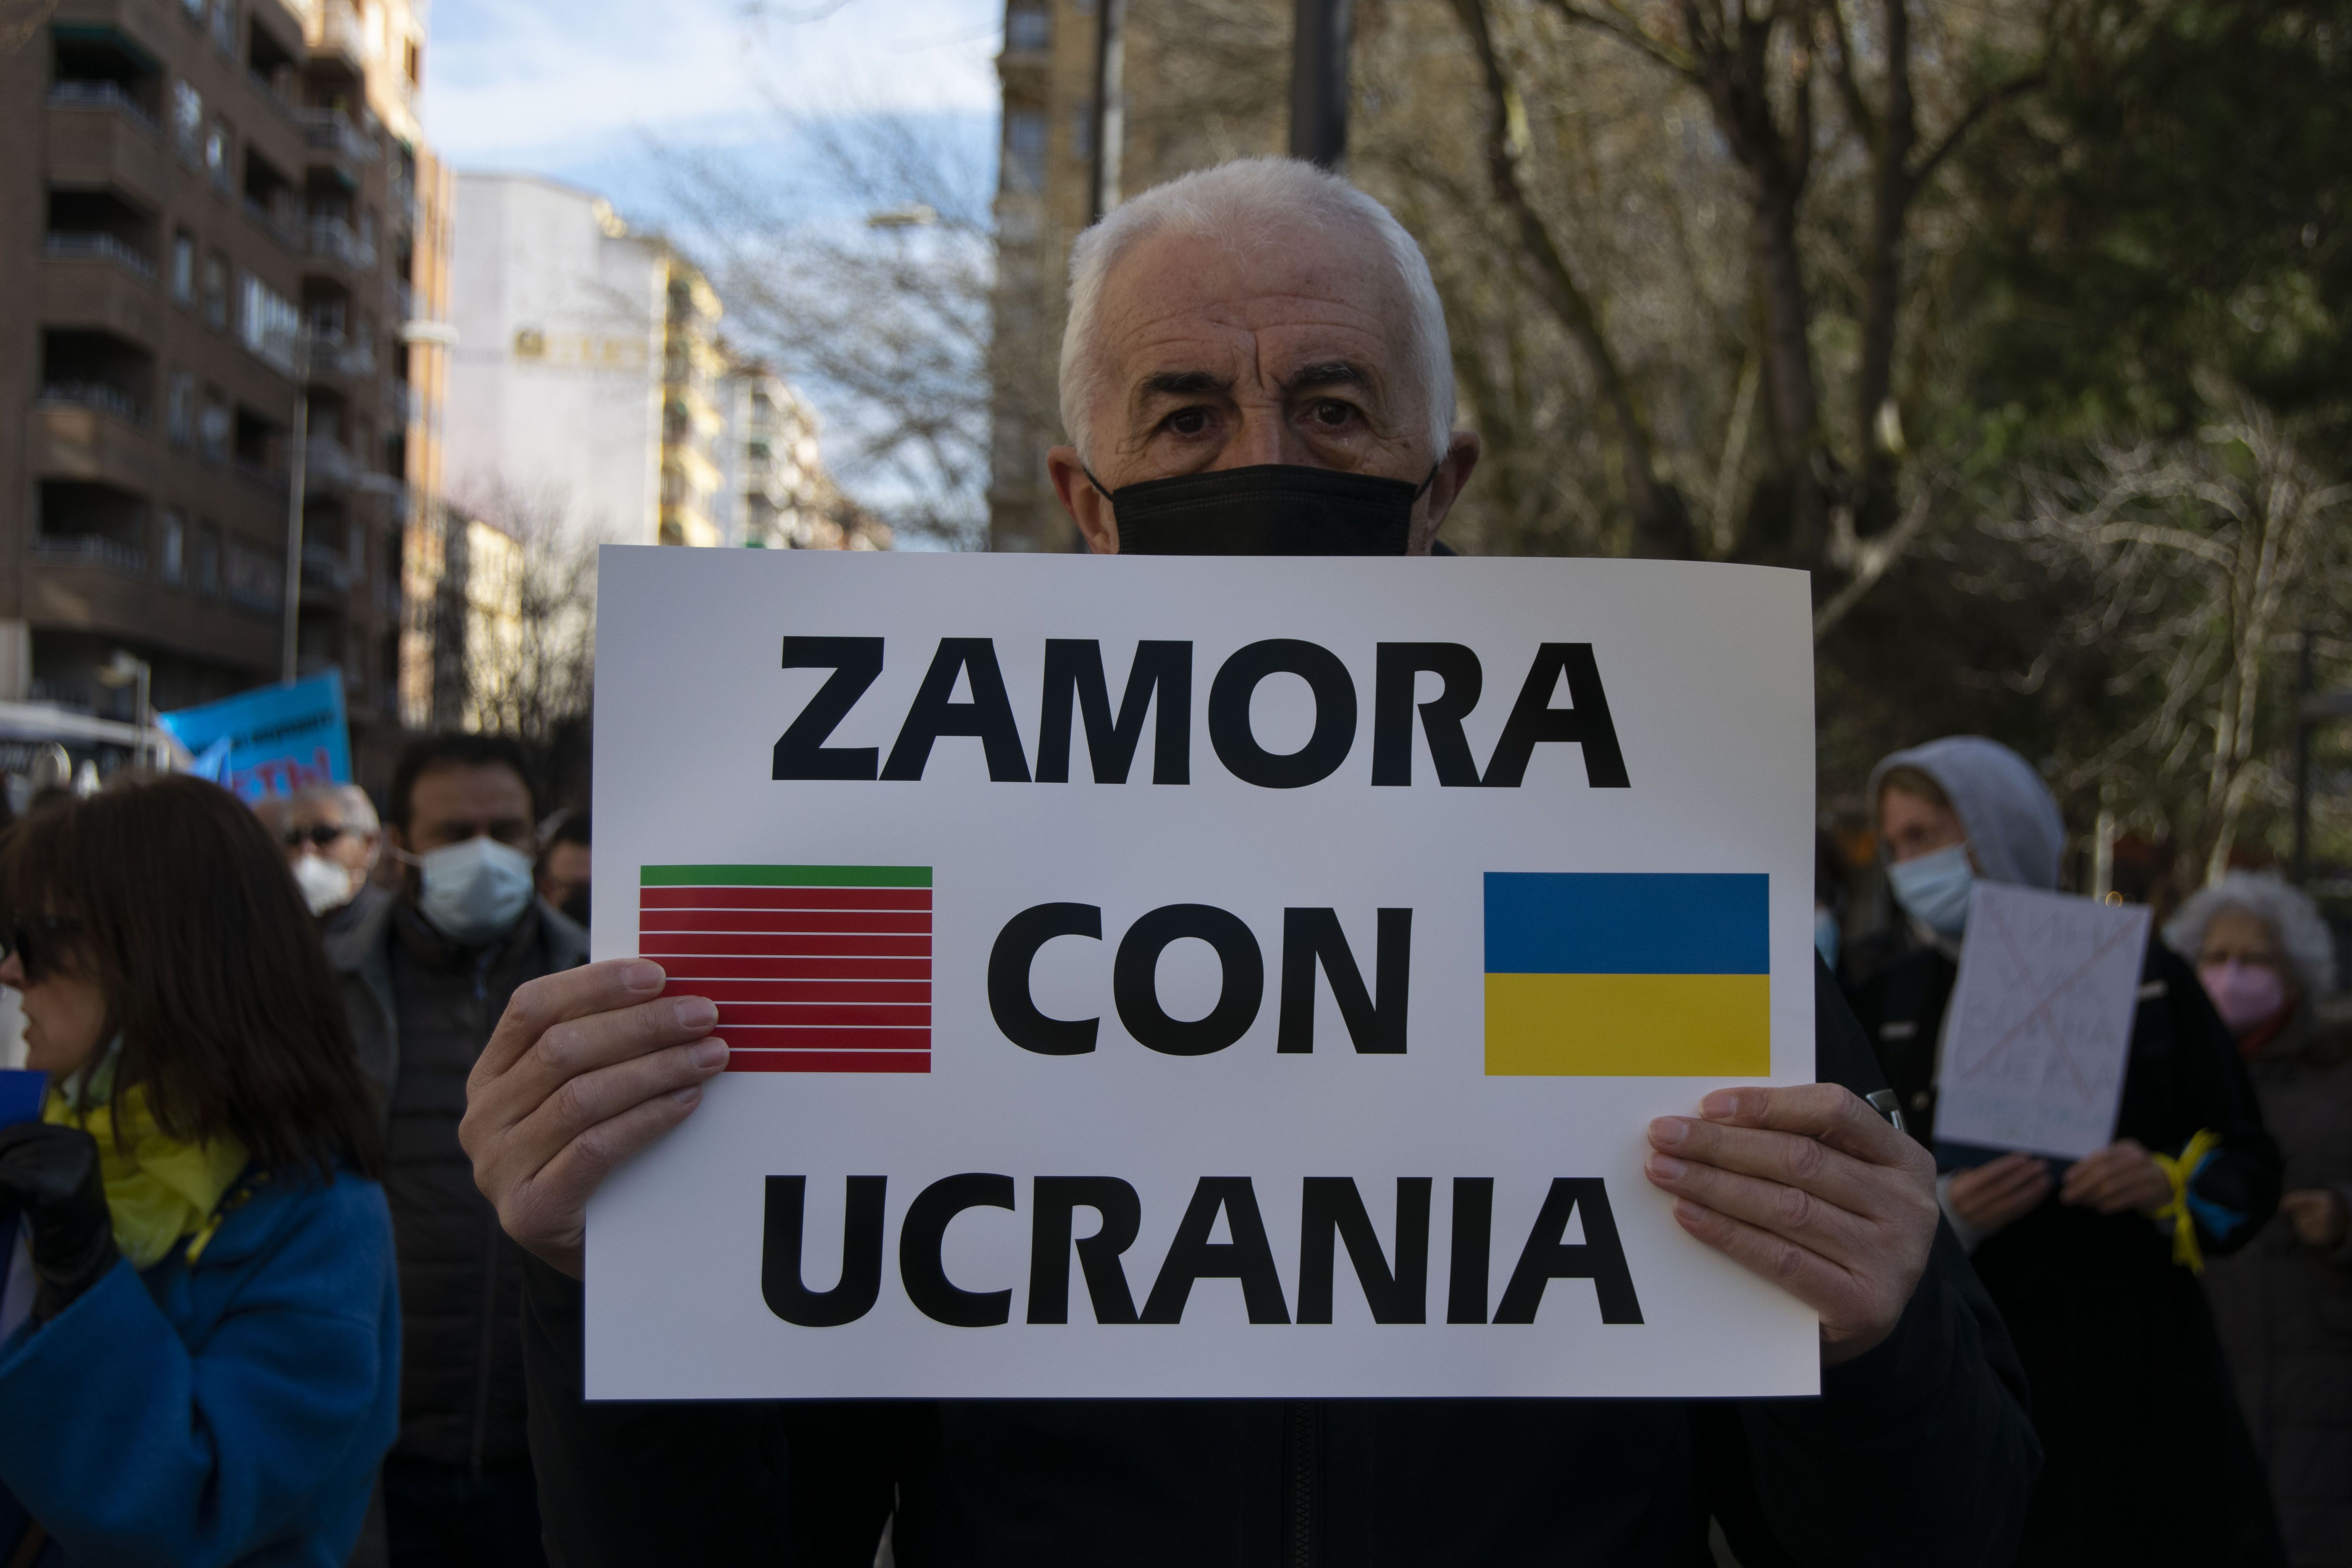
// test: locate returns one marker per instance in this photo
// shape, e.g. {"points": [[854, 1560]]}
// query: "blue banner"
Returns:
{"points": [[270, 740], [20, 1100]]}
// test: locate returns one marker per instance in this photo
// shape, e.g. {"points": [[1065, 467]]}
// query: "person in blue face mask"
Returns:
{"points": [[2130, 1396], [424, 977]]}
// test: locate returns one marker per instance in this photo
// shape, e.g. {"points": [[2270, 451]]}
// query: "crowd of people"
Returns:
{"points": [[295, 1242]]}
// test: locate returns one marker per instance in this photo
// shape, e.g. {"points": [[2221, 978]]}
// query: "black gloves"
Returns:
{"points": [[49, 1174]]}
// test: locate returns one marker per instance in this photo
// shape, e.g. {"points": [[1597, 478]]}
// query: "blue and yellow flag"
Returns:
{"points": [[1627, 975]]}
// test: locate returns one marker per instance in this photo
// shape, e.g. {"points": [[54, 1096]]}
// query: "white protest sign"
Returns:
{"points": [[2039, 1030], [1198, 977]]}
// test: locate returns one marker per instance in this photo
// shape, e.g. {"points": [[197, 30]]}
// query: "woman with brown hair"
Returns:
{"points": [[199, 1329]]}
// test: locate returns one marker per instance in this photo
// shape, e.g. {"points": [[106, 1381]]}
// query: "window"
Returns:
{"points": [[175, 538], [225, 27], [212, 427], [184, 268], [208, 560], [187, 117], [179, 408], [269, 324], [1027, 30], [1082, 132], [413, 64], [217, 290], [216, 142], [1025, 150]]}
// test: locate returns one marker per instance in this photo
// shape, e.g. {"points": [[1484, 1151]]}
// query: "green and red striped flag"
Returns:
{"points": [[814, 968]]}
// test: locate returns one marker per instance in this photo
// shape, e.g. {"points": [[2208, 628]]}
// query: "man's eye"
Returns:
{"points": [[1331, 412], [1189, 421]]}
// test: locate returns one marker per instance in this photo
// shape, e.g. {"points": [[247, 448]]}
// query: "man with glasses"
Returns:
{"points": [[425, 974], [332, 841]]}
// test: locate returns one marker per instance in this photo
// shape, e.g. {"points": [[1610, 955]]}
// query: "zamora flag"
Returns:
{"points": [[814, 968], [1627, 975]]}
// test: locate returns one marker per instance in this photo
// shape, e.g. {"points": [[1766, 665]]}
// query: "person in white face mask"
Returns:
{"points": [[425, 976], [2116, 1336], [332, 841]]}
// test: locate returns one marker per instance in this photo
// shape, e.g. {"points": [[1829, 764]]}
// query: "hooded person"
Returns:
{"points": [[2147, 1458], [2284, 1302]]}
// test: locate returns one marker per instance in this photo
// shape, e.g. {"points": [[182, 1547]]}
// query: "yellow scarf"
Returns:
{"points": [[159, 1189]]}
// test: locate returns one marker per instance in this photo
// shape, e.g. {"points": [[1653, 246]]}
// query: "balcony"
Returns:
{"points": [[327, 467], [95, 395], [91, 550], [327, 569], [97, 246], [261, 478], [103, 95], [284, 230], [331, 133], [332, 239], [334, 357], [91, 146], [341, 39], [77, 441]]}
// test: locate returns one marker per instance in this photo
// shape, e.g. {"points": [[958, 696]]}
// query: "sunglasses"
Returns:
{"points": [[318, 837], [36, 944]]}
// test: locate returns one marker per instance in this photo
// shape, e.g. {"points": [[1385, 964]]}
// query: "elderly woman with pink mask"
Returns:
{"points": [[2284, 1304]]}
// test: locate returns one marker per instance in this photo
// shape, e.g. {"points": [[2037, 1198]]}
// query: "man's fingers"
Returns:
{"points": [[547, 1213], [1784, 1158], [1801, 1272], [583, 1045], [1829, 1111], [1819, 1226], [539, 1004], [578, 1105]]}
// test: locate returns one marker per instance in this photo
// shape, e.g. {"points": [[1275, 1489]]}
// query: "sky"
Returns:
{"points": [[584, 89]]}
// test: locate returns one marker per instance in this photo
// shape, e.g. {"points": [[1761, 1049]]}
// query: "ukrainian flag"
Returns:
{"points": [[1627, 975]]}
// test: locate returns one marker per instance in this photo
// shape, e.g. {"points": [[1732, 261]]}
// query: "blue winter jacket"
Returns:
{"points": [[229, 1411]]}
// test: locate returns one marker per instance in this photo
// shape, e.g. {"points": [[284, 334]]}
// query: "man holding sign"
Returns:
{"points": [[1256, 364]]}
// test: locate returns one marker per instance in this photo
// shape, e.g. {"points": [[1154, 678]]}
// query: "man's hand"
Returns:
{"points": [[1809, 1187], [2001, 1192], [2318, 1217], [2121, 1177], [587, 1067]]}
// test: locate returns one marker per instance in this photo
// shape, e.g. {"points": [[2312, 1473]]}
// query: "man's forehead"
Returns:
{"points": [[1180, 302]]}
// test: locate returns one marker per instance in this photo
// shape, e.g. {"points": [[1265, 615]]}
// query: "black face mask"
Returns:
{"points": [[1273, 509]]}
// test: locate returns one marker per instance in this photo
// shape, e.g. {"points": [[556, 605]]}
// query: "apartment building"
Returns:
{"points": [[1167, 122], [586, 376], [774, 492], [215, 219]]}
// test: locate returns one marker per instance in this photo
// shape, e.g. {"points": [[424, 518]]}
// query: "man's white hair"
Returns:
{"points": [[2293, 918], [1239, 203], [357, 811]]}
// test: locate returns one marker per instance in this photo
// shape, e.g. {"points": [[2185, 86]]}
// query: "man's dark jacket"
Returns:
{"points": [[1920, 1453], [421, 1009]]}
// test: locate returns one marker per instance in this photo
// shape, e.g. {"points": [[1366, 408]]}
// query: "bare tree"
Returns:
{"points": [[863, 270], [506, 592], [2206, 559]]}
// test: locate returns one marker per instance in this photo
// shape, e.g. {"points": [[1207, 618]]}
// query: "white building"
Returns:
{"points": [[556, 386]]}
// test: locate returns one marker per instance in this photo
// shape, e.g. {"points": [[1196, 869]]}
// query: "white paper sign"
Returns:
{"points": [[2039, 1030], [1208, 978]]}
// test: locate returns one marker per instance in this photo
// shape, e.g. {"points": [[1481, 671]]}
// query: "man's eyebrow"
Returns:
{"points": [[1184, 384], [1330, 373]]}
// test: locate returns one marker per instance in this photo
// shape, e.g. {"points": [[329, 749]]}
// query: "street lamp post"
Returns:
{"points": [[297, 478], [1109, 107], [127, 668], [1320, 38]]}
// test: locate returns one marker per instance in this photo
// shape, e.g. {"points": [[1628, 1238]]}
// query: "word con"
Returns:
{"points": [[1375, 1019]]}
